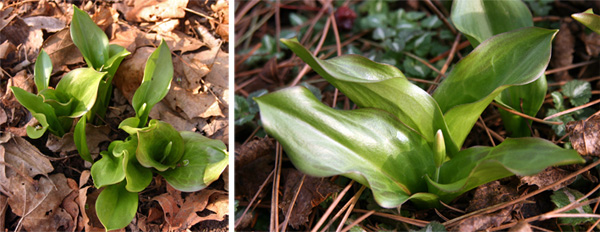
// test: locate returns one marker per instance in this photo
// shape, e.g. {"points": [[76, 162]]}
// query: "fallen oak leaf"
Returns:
{"points": [[585, 135], [183, 217], [21, 154]]}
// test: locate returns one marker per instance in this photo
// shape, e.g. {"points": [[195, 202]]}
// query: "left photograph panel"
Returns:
{"points": [[114, 115]]}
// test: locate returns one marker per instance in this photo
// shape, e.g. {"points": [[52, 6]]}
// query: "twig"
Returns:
{"points": [[564, 82], [331, 207], [573, 109], [424, 62], [199, 13], [352, 204], [526, 116], [496, 207], [358, 220], [493, 133], [487, 131], [339, 213], [441, 16], [245, 10], [565, 68], [446, 64], [262, 186], [289, 213], [412, 221], [275, 192]]}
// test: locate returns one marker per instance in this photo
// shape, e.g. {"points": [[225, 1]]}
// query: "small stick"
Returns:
{"points": [[551, 71], [412, 221], [424, 62], [526, 116], [446, 64], [262, 186], [358, 220], [331, 207], [441, 16], [352, 204], [572, 109], [289, 213]]}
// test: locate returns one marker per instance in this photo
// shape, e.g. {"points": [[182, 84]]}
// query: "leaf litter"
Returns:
{"points": [[38, 187]]}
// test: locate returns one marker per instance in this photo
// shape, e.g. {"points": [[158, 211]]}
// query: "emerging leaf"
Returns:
{"points": [[43, 112], [368, 145], [108, 170], [202, 163], [89, 39], [81, 86], [159, 146], [42, 71], [156, 83], [80, 140]]}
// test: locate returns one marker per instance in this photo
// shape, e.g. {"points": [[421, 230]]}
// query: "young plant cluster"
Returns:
{"points": [[188, 161], [405, 144]]}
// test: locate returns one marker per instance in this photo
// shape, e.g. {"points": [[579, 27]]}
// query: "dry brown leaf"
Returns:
{"points": [[87, 207], [22, 155], [176, 40], [105, 17], [201, 105], [585, 135], [5, 49], [39, 205], [62, 50], [247, 185], [521, 226], [562, 51], [127, 36], [217, 129], [592, 43], [183, 217], [94, 136], [313, 192], [549, 176], [27, 40], [47, 23], [21, 80], [156, 10], [131, 72], [69, 204], [3, 207], [485, 195]]}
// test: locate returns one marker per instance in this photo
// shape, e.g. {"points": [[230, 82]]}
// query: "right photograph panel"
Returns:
{"points": [[429, 115]]}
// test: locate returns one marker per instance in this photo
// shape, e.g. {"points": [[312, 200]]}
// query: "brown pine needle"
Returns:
{"points": [[331, 207], [526, 116], [572, 110], [358, 220], [352, 204], [289, 213], [570, 67], [412, 221]]}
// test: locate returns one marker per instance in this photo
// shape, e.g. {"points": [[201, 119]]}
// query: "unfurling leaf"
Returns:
{"points": [[589, 19], [89, 39], [202, 162], [42, 71], [159, 146]]}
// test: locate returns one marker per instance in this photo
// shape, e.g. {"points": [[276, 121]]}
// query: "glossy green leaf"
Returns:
{"points": [[527, 99], [479, 165], [159, 146], [116, 207], [138, 177], [80, 140], [37, 131], [156, 83], [42, 71], [129, 125], [368, 145], [513, 58], [89, 39], [108, 170], [116, 54], [43, 112], [479, 20], [589, 19], [80, 85], [202, 163], [374, 85]]}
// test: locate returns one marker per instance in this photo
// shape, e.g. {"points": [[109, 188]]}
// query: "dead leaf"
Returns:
{"points": [[87, 207], [94, 136], [547, 177], [70, 204], [562, 51], [201, 105], [127, 36], [253, 149], [3, 207], [62, 51], [27, 40], [485, 195], [21, 80], [592, 43], [156, 10], [39, 206], [183, 217], [521, 226], [21, 154], [105, 17], [176, 40], [47, 23], [6, 48], [585, 135], [131, 72], [314, 191]]}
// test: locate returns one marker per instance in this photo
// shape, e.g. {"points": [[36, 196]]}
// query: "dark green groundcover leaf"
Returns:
{"points": [[368, 145], [513, 58], [370, 84], [479, 165], [202, 163]]}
